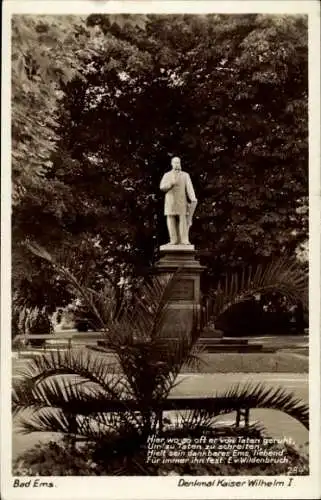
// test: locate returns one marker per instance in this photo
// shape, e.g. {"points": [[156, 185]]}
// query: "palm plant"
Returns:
{"points": [[283, 275], [117, 398]]}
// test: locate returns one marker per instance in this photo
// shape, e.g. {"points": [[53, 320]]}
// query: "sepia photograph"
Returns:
{"points": [[160, 251]]}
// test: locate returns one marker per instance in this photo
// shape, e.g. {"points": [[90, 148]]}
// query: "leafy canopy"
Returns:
{"points": [[227, 93]]}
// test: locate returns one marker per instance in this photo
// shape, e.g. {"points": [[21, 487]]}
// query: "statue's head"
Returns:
{"points": [[176, 163]]}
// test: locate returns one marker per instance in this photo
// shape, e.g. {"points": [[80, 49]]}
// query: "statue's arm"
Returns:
{"points": [[190, 190], [166, 184]]}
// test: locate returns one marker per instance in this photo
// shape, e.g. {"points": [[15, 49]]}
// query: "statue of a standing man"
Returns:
{"points": [[180, 203]]}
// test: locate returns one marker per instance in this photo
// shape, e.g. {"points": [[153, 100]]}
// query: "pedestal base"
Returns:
{"points": [[185, 299]]}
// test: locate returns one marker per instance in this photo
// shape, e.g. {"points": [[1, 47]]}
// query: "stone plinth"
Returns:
{"points": [[186, 295]]}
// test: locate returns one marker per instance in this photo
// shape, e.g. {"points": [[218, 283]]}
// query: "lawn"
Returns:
{"points": [[279, 362], [233, 362]]}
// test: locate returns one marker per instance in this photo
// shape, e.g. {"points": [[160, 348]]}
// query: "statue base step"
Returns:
{"points": [[174, 257], [177, 248]]}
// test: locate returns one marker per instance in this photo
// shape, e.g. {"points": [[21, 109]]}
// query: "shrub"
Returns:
{"points": [[38, 323], [53, 459]]}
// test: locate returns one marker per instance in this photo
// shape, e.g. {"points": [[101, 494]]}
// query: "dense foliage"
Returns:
{"points": [[47, 52], [228, 94], [37, 91]]}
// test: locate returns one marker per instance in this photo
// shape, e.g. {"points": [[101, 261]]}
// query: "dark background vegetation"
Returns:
{"points": [[226, 93]]}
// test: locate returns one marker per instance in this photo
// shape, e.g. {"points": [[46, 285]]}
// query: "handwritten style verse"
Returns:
{"points": [[218, 450]]}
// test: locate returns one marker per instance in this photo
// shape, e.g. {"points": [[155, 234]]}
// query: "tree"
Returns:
{"points": [[240, 103], [226, 93], [43, 54], [47, 52]]}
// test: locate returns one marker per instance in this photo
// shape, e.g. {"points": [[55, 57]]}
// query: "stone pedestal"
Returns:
{"points": [[186, 295]]}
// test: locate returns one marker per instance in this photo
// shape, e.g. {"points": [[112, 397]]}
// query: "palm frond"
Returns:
{"points": [[84, 364], [78, 287], [150, 362], [87, 407], [151, 306], [196, 420], [193, 360], [74, 381], [101, 424], [91, 427], [283, 275], [46, 420], [200, 421], [240, 397], [39, 251], [182, 348]]}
